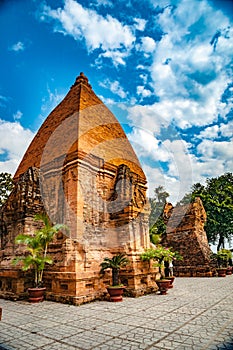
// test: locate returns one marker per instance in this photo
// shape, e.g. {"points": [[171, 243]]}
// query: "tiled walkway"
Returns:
{"points": [[196, 314]]}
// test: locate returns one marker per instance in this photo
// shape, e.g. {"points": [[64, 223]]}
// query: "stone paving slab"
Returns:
{"points": [[197, 314]]}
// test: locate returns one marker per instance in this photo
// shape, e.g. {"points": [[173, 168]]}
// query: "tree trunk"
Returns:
{"points": [[220, 242], [115, 277]]}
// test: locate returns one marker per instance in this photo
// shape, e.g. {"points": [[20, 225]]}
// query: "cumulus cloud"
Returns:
{"points": [[145, 117], [105, 33], [191, 76], [226, 130], [117, 57], [218, 150], [147, 44], [158, 177], [165, 112], [170, 164], [217, 131], [182, 55], [107, 101], [147, 145], [14, 140], [140, 24], [141, 91], [163, 162], [114, 87], [187, 69], [19, 46]]}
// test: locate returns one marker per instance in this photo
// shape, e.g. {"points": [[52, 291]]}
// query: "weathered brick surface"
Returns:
{"points": [[82, 170], [185, 233]]}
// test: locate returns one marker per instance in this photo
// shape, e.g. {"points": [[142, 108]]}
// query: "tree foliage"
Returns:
{"points": [[156, 222], [217, 198], [115, 264], [37, 245], [224, 257], [160, 254], [6, 186]]}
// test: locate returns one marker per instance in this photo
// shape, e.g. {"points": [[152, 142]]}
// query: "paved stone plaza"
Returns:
{"points": [[196, 314]]}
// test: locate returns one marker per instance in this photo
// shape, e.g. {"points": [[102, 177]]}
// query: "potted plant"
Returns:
{"points": [[229, 260], [115, 264], [222, 258], [36, 254], [161, 255], [169, 272]]}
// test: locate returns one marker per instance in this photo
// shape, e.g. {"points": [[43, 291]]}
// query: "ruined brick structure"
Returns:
{"points": [[81, 169], [185, 234]]}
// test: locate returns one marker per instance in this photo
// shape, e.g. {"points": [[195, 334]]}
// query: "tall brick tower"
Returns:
{"points": [[81, 169]]}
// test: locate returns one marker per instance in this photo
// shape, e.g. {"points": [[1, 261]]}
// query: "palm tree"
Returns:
{"points": [[37, 247], [46, 233], [34, 259], [115, 264]]}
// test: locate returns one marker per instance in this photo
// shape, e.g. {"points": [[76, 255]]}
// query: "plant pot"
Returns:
{"points": [[163, 285], [171, 279], [116, 293], [36, 294], [229, 270], [222, 271]]}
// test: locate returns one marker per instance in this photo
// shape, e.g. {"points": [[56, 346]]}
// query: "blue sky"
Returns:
{"points": [[164, 67]]}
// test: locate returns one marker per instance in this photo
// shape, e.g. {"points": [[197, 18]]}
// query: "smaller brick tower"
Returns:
{"points": [[185, 234]]}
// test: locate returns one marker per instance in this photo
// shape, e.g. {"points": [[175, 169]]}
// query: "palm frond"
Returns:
{"points": [[116, 262]]}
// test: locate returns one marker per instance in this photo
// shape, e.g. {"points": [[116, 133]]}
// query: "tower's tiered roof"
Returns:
{"points": [[98, 131]]}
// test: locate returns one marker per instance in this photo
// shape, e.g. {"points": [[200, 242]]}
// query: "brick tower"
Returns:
{"points": [[185, 233], [81, 169]]}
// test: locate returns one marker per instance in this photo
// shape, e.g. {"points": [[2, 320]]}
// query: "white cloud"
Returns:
{"points": [[114, 87], [168, 154], [157, 177], [143, 92], [189, 66], [210, 132], [105, 3], [50, 101], [184, 169], [187, 71], [141, 66], [106, 33], [107, 101], [218, 150], [147, 145], [147, 44], [117, 57], [184, 112], [226, 130], [146, 117], [140, 23], [19, 46], [144, 78], [14, 140], [17, 115], [217, 131]]}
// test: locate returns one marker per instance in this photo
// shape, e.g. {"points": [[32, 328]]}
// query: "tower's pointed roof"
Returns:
{"points": [[97, 131]]}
